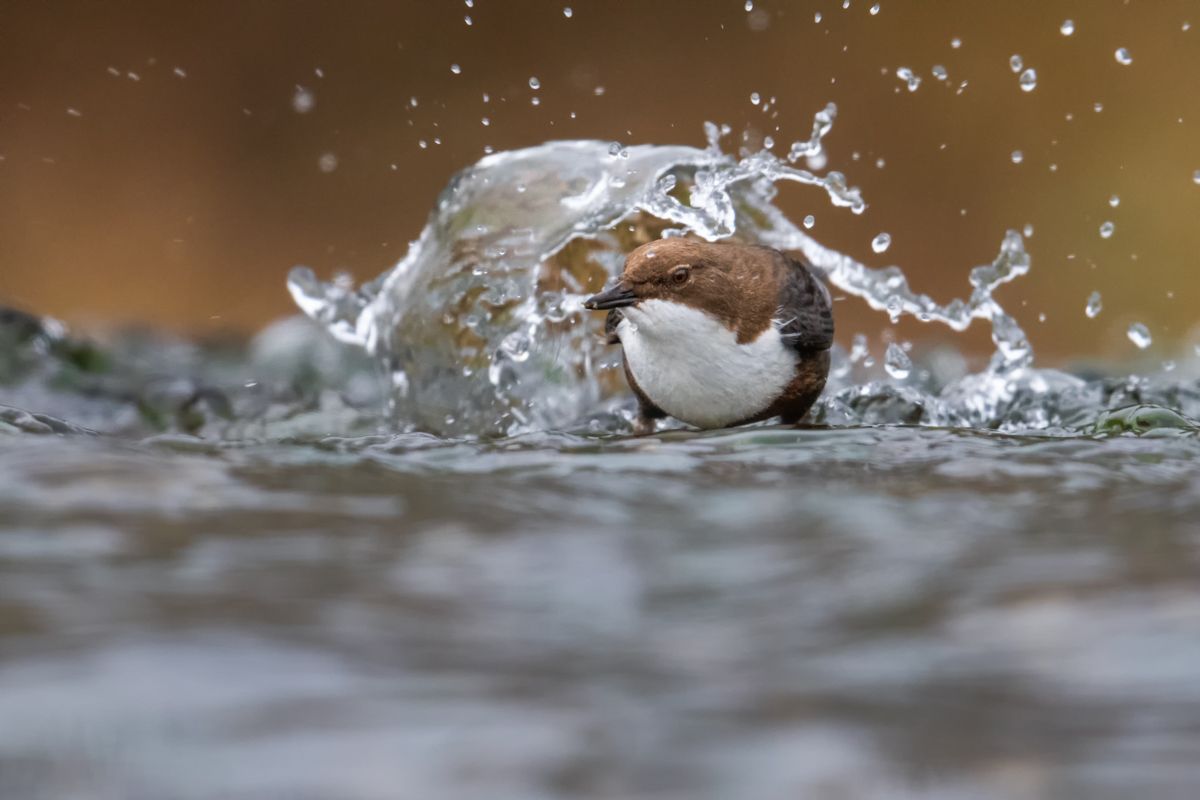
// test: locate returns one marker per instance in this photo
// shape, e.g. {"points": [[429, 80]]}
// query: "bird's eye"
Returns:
{"points": [[680, 275]]}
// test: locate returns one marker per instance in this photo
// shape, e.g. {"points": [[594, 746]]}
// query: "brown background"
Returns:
{"points": [[181, 202]]}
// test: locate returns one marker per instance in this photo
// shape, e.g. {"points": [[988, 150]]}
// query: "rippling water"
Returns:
{"points": [[761, 613]]}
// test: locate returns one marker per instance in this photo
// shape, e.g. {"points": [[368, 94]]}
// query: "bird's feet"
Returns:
{"points": [[643, 426]]}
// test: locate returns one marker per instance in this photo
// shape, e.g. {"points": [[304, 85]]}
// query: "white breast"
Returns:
{"points": [[693, 368]]}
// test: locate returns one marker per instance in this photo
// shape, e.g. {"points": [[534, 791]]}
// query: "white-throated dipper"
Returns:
{"points": [[719, 334]]}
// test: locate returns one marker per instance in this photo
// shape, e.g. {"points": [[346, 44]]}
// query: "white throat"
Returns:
{"points": [[692, 366]]}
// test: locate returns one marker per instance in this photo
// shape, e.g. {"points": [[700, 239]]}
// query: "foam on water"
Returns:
{"points": [[481, 328]]}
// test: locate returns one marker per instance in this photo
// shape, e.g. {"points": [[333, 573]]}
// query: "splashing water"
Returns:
{"points": [[896, 362], [480, 327]]}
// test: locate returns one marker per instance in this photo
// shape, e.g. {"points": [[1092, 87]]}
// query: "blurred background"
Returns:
{"points": [[166, 164]]}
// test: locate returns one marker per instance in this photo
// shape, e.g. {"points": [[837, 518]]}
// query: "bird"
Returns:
{"points": [[718, 334]]}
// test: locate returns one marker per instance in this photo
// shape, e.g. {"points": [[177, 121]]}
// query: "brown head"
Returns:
{"points": [[736, 283]]}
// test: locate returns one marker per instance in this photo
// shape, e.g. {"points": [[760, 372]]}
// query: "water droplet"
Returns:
{"points": [[939, 72], [74, 112], [1067, 28], [303, 100], [894, 308], [755, 99], [874, 9], [1027, 231], [1114, 201], [1094, 305], [1139, 334], [749, 5], [1106, 230], [809, 221], [469, 21], [896, 362], [568, 12], [1123, 57], [422, 144], [1016, 63], [956, 42], [535, 101], [817, 17], [485, 122], [534, 83], [859, 349], [909, 77], [881, 242], [456, 69], [180, 72], [1196, 177], [1017, 156], [1028, 80], [328, 162]]}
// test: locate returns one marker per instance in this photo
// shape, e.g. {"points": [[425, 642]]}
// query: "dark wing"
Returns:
{"points": [[610, 326], [805, 308]]}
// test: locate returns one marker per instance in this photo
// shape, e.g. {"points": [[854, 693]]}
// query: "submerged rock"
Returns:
{"points": [[1143, 419]]}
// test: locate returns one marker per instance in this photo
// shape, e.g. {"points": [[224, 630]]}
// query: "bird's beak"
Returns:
{"points": [[616, 296]]}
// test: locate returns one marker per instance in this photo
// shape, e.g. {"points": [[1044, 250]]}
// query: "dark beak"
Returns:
{"points": [[616, 296]]}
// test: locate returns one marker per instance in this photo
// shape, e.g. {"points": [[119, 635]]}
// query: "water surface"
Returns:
{"points": [[759, 613]]}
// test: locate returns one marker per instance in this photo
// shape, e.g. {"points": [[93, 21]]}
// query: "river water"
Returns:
{"points": [[430, 562], [764, 613]]}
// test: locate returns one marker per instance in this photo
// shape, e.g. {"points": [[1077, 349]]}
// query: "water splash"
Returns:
{"points": [[480, 326], [896, 362]]}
